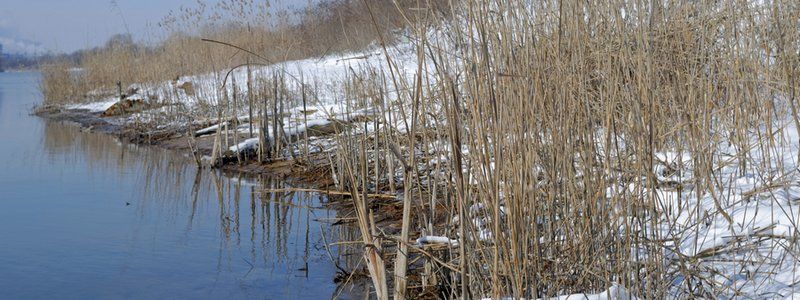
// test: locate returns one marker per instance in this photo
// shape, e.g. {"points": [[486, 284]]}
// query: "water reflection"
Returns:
{"points": [[218, 226], [86, 217]]}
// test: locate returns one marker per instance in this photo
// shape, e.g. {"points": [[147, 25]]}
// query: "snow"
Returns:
{"points": [[432, 239], [99, 106], [214, 128], [319, 77], [248, 144], [756, 254], [615, 292], [300, 129], [210, 129]]}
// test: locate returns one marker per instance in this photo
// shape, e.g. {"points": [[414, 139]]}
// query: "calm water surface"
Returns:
{"points": [[85, 217]]}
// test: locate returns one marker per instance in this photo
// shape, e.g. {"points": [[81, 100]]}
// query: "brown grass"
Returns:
{"points": [[556, 105], [329, 27]]}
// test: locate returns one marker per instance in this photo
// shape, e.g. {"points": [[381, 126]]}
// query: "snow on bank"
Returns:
{"points": [[737, 238], [214, 128], [94, 107], [431, 239], [248, 144], [615, 292], [319, 79], [742, 239]]}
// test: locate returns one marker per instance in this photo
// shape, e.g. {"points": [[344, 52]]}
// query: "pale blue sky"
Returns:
{"points": [[68, 25]]}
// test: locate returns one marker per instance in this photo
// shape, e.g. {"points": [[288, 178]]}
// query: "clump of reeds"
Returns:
{"points": [[60, 84], [551, 115]]}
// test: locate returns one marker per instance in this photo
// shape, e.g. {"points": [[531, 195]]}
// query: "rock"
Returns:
{"points": [[125, 106], [187, 87], [327, 129]]}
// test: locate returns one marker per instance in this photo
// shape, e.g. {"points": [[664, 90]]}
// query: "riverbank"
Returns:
{"points": [[304, 172], [310, 172]]}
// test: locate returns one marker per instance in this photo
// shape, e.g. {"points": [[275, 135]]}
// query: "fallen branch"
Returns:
{"points": [[327, 192]]}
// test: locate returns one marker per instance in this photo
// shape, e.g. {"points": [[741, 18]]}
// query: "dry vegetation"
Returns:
{"points": [[554, 113], [531, 134], [328, 27]]}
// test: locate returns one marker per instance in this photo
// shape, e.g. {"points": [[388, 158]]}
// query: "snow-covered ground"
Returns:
{"points": [[742, 237], [97, 106]]}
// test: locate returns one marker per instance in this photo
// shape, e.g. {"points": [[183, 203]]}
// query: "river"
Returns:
{"points": [[84, 216]]}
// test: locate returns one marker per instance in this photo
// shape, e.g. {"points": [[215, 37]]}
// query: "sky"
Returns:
{"points": [[41, 26]]}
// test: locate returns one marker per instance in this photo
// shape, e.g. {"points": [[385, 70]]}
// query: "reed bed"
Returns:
{"points": [[567, 147]]}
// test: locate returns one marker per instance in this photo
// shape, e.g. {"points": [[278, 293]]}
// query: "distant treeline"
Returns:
{"points": [[20, 61], [26, 62]]}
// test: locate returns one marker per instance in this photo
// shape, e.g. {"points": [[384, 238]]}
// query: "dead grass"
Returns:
{"points": [[329, 27], [550, 115]]}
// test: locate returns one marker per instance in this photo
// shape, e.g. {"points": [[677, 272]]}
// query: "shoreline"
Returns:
{"points": [[312, 174], [307, 173]]}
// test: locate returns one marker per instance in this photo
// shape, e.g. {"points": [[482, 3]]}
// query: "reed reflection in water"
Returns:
{"points": [[200, 230]]}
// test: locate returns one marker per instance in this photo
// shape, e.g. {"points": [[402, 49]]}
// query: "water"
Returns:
{"points": [[83, 216]]}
